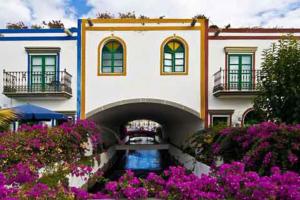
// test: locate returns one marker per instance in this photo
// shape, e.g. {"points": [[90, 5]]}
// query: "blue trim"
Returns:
{"points": [[32, 38], [54, 30], [58, 66], [28, 69], [78, 112]]}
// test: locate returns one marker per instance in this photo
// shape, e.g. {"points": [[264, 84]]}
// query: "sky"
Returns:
{"points": [[237, 13]]}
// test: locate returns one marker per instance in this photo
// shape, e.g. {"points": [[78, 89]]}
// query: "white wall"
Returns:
{"points": [[13, 57], [143, 79]]}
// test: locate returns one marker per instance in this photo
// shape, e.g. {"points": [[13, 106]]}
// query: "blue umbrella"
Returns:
{"points": [[32, 112]]}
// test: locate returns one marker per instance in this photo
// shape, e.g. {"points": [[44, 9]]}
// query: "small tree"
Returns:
{"points": [[54, 24], [18, 25], [128, 15], [104, 15], [36, 26], [279, 97]]}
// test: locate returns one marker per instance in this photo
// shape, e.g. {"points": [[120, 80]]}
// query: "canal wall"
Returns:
{"points": [[188, 161], [105, 159]]}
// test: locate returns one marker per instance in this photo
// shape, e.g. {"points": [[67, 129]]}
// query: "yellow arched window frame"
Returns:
{"points": [[174, 55], [112, 57]]}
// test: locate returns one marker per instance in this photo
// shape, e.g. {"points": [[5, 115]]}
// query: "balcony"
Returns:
{"points": [[37, 84], [239, 83]]}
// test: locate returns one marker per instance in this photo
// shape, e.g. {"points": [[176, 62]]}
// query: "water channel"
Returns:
{"points": [[141, 162]]}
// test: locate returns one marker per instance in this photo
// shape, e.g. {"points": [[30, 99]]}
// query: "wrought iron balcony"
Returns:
{"points": [[37, 84], [236, 82]]}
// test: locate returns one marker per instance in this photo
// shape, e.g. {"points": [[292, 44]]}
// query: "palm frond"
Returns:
{"points": [[6, 117]]}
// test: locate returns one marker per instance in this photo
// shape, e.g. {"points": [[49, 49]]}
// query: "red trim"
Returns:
{"points": [[244, 115], [206, 74], [253, 72], [258, 30], [225, 72], [248, 37]]}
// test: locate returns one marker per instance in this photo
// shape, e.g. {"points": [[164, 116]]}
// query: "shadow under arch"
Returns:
{"points": [[178, 121]]}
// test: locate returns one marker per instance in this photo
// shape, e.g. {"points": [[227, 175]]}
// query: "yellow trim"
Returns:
{"points": [[143, 28], [100, 46], [83, 34], [202, 55], [129, 20], [202, 73], [186, 60]]}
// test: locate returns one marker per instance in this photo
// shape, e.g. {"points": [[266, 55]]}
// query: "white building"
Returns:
{"points": [[177, 72]]}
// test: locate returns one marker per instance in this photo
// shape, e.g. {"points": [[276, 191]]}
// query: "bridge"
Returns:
{"points": [[141, 147]]}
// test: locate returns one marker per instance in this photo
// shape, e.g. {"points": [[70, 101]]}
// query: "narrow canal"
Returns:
{"points": [[141, 162]]}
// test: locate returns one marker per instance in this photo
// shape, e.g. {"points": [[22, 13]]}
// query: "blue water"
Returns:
{"points": [[143, 160]]}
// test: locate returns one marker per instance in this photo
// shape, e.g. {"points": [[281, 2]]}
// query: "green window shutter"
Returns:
{"points": [[174, 57], [240, 70], [112, 57], [42, 72]]}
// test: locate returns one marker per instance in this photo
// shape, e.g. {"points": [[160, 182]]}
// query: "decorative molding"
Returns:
{"points": [[42, 49], [240, 49], [221, 112]]}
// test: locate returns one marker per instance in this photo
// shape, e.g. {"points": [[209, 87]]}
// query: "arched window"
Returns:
{"points": [[174, 56], [112, 53], [251, 117]]}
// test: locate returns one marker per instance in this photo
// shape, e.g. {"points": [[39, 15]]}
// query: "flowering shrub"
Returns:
{"points": [[230, 181], [58, 151], [199, 144], [261, 146]]}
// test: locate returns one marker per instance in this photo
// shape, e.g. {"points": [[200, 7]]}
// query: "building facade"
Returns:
{"points": [[173, 71]]}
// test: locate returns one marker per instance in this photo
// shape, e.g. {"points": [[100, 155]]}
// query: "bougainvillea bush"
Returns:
{"points": [[200, 143], [40, 157], [230, 181], [261, 146]]}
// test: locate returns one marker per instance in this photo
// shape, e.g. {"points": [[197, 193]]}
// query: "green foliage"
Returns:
{"points": [[279, 96], [52, 178], [18, 25]]}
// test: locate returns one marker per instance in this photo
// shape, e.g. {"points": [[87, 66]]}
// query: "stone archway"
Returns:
{"points": [[178, 121]]}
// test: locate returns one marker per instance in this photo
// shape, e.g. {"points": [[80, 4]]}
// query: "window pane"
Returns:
{"points": [[107, 56], [118, 69], [118, 63], [246, 67], [107, 63], [220, 121], [36, 68], [106, 70], [179, 62], [50, 68], [179, 69], [36, 61], [167, 69], [246, 60], [179, 55], [168, 56], [118, 55], [233, 67], [233, 59], [168, 63], [50, 60]]}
